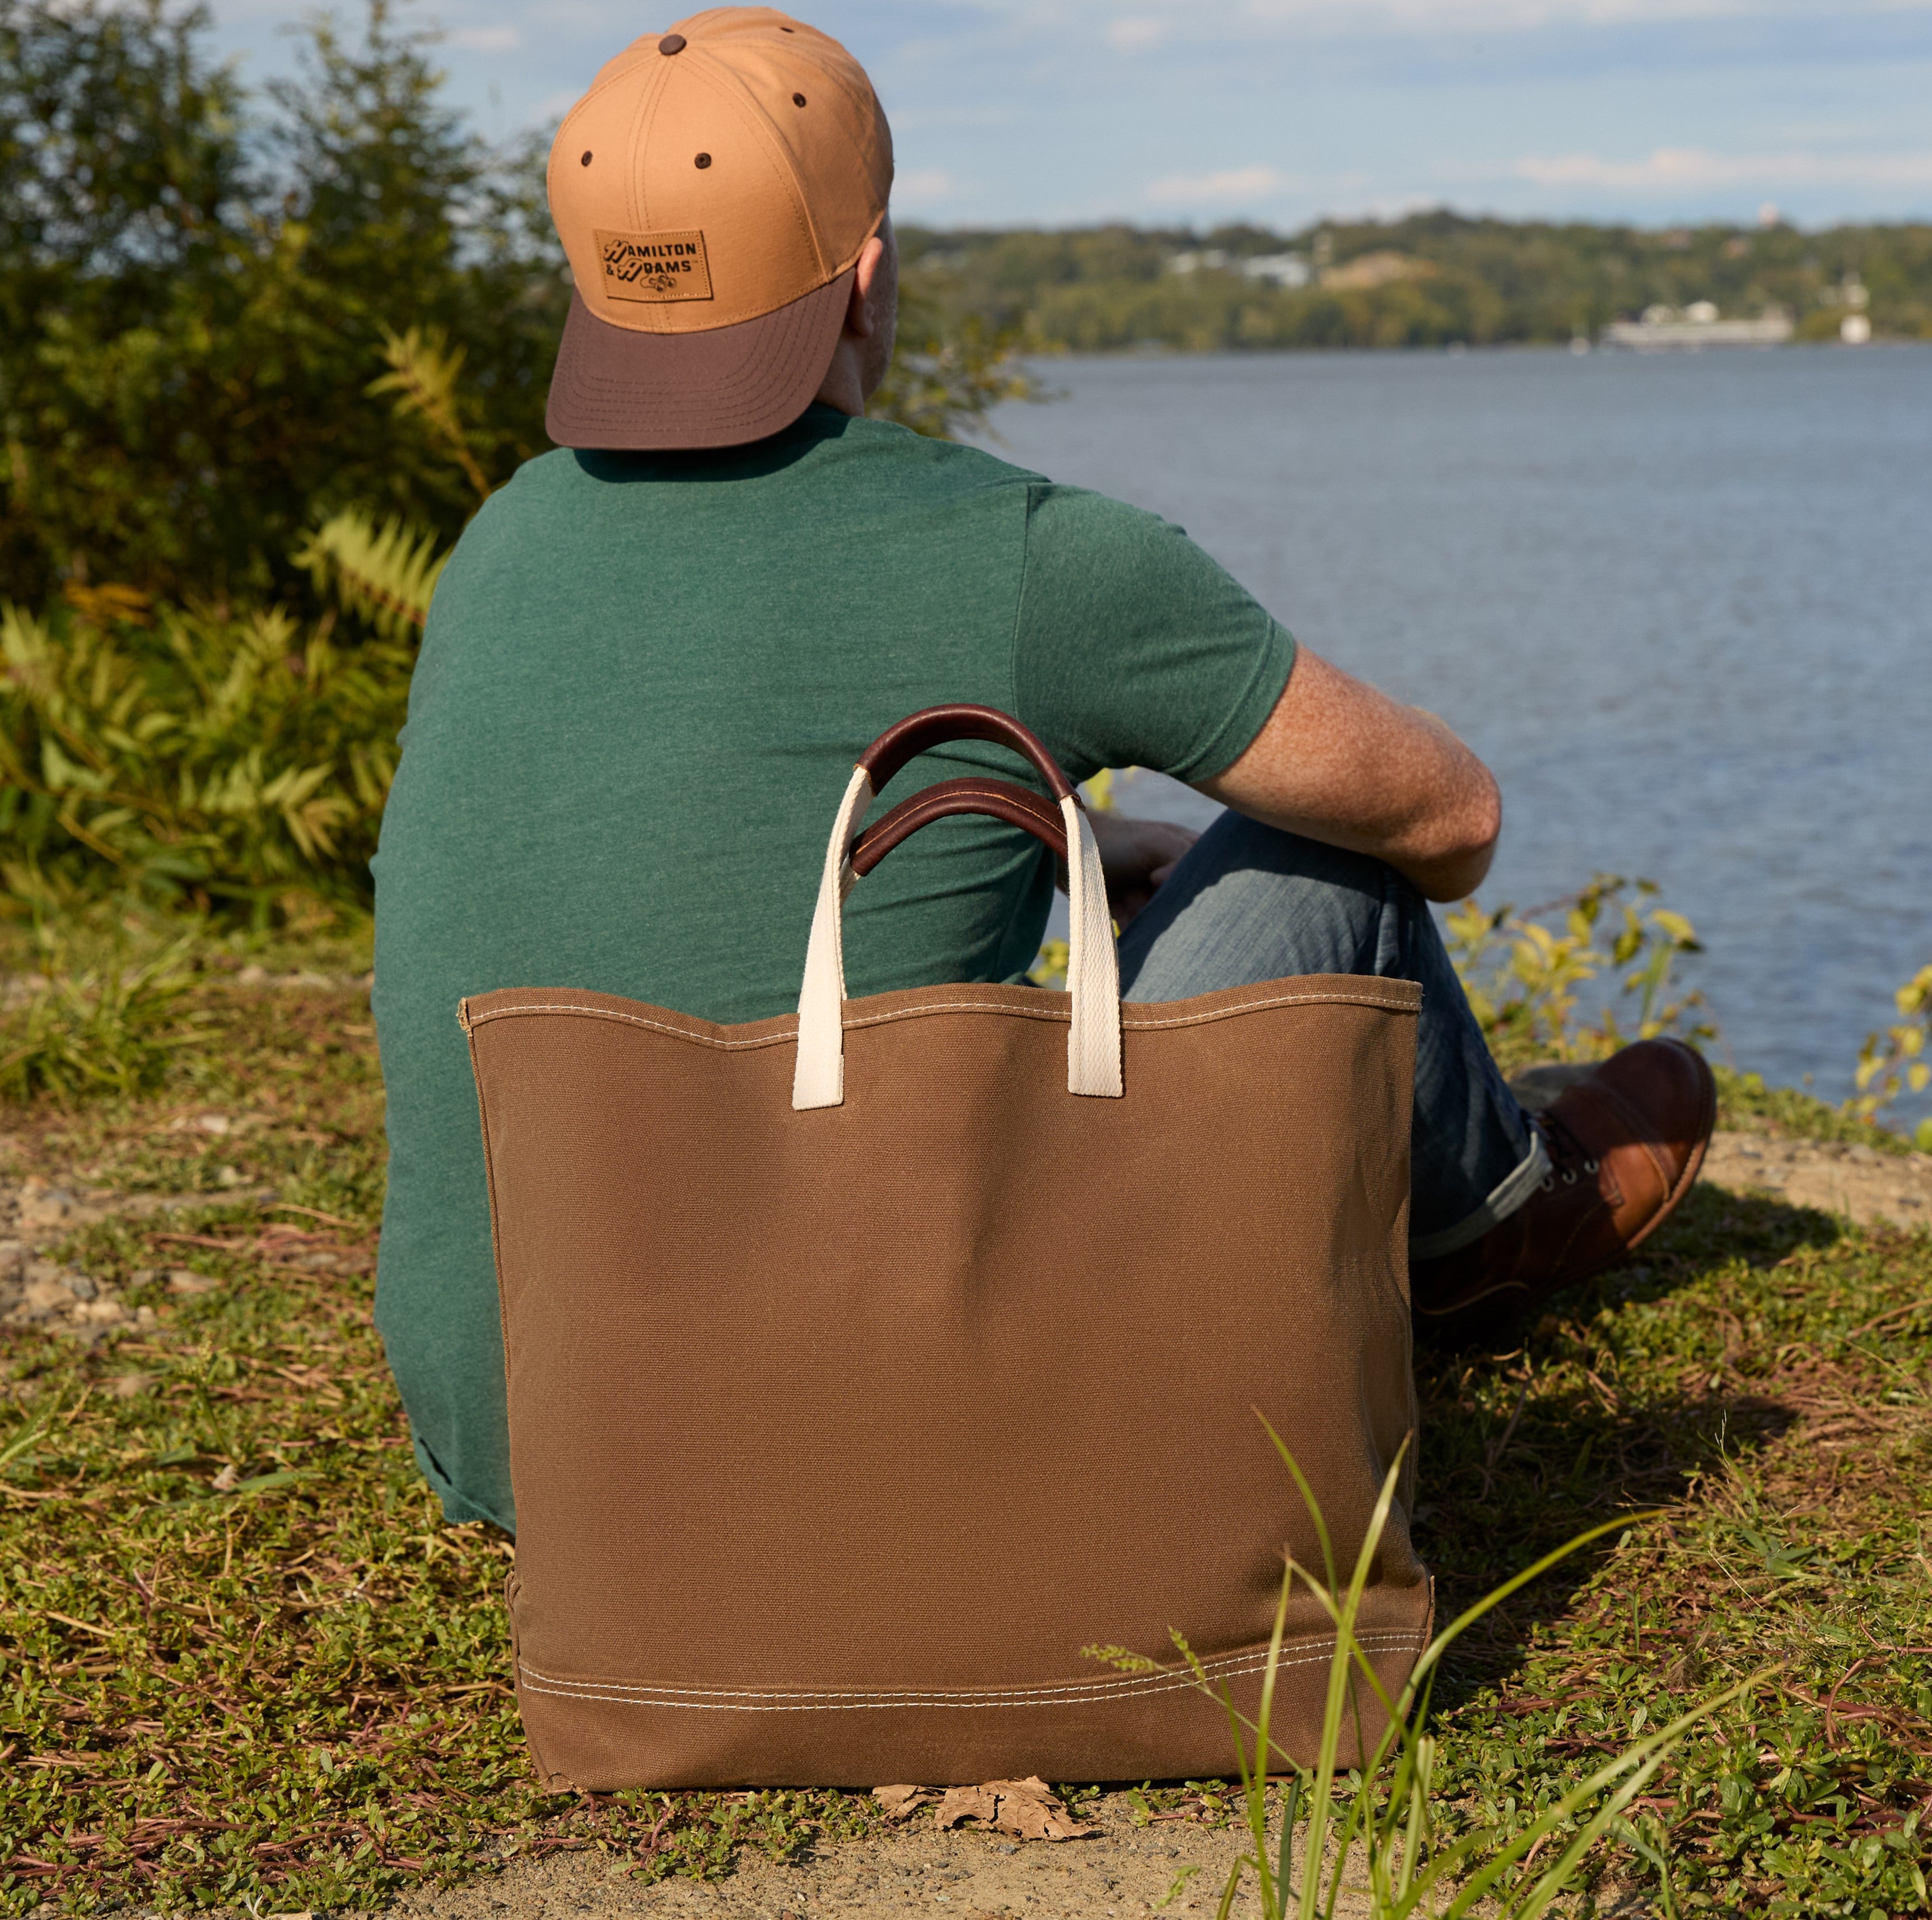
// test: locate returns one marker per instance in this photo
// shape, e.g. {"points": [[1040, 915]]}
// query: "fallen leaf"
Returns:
{"points": [[901, 1802], [1025, 1808], [225, 1482]]}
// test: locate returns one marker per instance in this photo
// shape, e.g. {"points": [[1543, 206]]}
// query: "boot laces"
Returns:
{"points": [[1569, 1160]]}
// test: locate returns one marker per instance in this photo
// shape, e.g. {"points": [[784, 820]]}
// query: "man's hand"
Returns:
{"points": [[1137, 855], [1339, 762]]}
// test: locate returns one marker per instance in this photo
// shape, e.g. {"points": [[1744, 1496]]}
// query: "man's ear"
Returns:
{"points": [[858, 320]]}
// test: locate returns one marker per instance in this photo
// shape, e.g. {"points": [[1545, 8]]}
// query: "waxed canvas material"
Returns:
{"points": [[835, 1435]]}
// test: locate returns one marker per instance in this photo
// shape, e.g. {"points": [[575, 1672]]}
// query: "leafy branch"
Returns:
{"points": [[423, 373], [386, 574]]}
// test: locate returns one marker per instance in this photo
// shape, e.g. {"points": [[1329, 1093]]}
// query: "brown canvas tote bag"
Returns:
{"points": [[865, 1366]]}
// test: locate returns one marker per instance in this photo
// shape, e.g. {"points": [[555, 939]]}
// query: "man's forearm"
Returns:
{"points": [[1339, 762]]}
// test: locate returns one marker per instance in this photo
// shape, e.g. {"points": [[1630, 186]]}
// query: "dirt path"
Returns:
{"points": [[1865, 1185], [1121, 1869]]}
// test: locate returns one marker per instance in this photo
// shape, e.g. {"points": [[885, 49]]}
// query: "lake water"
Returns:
{"points": [[1681, 603]]}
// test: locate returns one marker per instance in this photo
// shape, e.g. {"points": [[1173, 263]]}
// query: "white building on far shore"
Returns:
{"points": [[1699, 324]]}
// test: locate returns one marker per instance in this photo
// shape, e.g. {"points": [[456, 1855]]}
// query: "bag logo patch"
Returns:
{"points": [[654, 266]]}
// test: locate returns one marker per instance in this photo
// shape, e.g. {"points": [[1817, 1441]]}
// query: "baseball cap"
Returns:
{"points": [[713, 191]]}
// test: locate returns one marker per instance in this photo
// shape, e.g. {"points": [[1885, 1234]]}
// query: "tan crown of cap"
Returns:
{"points": [[691, 189]]}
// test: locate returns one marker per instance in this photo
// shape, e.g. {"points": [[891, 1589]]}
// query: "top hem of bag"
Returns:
{"points": [[916, 1003]]}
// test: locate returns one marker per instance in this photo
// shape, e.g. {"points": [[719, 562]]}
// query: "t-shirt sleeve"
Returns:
{"points": [[1132, 648]]}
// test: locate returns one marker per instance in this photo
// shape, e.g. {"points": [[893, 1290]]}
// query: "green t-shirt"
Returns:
{"points": [[645, 680]]}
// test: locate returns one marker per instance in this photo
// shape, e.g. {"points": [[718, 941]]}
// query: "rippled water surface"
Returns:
{"points": [[1682, 603]]}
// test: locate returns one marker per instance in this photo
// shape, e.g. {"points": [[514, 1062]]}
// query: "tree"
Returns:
{"points": [[196, 288]]}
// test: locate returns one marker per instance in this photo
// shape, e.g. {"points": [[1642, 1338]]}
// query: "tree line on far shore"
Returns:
{"points": [[1433, 279]]}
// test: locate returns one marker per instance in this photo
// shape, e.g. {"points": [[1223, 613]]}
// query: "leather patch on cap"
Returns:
{"points": [[654, 266]]}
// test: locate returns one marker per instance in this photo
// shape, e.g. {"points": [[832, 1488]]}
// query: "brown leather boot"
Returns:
{"points": [[1625, 1144]]}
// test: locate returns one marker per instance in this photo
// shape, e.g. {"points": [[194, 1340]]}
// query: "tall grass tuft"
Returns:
{"points": [[1379, 1839], [113, 1027]]}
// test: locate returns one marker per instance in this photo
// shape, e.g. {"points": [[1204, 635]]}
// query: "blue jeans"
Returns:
{"points": [[1249, 903]]}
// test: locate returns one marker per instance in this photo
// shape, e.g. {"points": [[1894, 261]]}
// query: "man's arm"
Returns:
{"points": [[1339, 762]]}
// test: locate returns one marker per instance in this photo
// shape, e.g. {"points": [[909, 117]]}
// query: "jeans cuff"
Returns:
{"points": [[1513, 1192]]}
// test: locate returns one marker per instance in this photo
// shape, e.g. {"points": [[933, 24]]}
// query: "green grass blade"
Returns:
{"points": [[1313, 1505]]}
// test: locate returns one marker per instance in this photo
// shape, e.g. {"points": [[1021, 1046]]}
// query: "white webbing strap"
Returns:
{"points": [[818, 1080], [1093, 969]]}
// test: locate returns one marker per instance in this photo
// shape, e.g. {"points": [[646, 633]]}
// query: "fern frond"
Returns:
{"points": [[386, 574], [422, 376]]}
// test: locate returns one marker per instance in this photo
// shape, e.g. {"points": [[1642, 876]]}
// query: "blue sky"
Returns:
{"points": [[1053, 112]]}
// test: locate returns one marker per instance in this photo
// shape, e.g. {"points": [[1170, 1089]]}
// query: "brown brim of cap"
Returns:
{"points": [[723, 387]]}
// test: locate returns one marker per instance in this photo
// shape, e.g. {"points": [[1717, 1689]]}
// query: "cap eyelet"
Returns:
{"points": [[586, 160], [702, 160], [798, 100]]}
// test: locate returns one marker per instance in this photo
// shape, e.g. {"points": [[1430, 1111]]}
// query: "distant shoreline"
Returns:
{"points": [[1429, 280], [1458, 349]]}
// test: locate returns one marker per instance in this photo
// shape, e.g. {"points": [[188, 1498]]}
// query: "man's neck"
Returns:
{"points": [[843, 386]]}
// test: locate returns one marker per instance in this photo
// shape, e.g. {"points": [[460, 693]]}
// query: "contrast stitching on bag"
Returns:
{"points": [[636, 1020], [786, 1033], [963, 1007], [1278, 999], [720, 1699]]}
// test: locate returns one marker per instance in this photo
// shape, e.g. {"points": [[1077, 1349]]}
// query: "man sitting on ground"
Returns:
{"points": [[657, 651]]}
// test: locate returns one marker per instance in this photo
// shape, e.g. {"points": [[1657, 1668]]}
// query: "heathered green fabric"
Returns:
{"points": [[644, 682]]}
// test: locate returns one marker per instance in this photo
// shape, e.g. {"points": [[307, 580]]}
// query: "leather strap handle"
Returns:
{"points": [[1018, 806], [933, 726], [1093, 968]]}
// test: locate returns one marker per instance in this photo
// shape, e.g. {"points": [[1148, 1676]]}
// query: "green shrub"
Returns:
{"points": [[1522, 975], [1894, 1062], [191, 754]]}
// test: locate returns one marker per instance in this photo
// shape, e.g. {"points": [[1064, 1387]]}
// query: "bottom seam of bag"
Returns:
{"points": [[1076, 1694]]}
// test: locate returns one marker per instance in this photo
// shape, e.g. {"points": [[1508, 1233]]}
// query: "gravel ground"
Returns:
{"points": [[1120, 1870]]}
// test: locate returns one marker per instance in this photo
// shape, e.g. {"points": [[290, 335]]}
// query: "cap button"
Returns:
{"points": [[672, 42]]}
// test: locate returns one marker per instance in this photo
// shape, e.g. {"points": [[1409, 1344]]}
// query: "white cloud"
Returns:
{"points": [[1493, 16], [1225, 20], [922, 186], [488, 40], [1233, 183], [1668, 170]]}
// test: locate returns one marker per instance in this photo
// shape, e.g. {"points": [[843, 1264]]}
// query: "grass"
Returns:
{"points": [[1746, 1103], [1762, 1375], [1382, 1837], [241, 1658]]}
